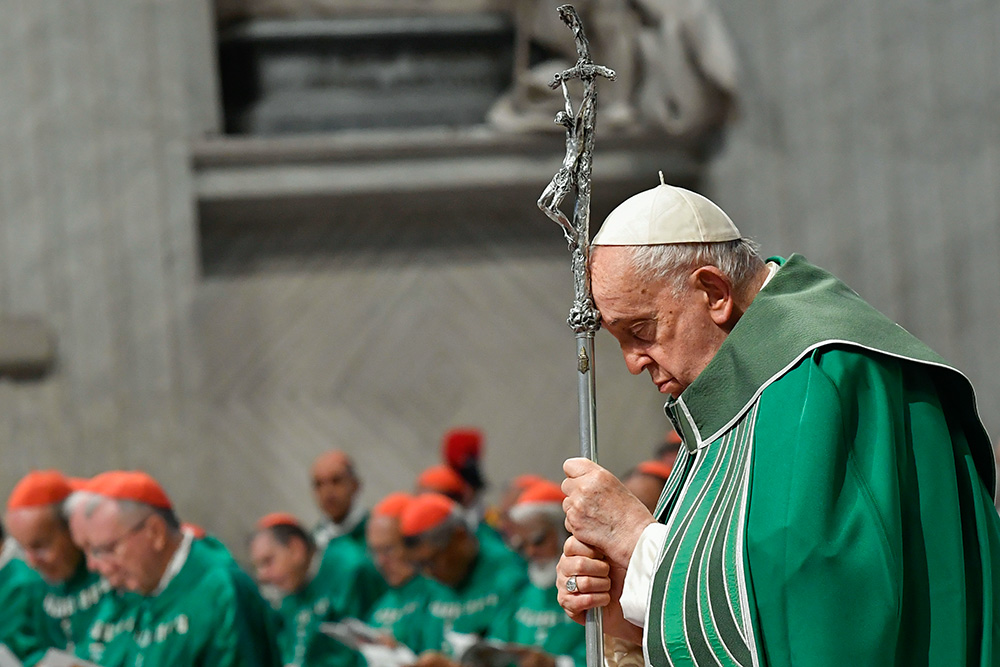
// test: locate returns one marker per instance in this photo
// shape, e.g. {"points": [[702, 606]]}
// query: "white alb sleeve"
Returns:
{"points": [[639, 575]]}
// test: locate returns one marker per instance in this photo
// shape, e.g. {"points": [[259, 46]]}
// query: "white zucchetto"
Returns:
{"points": [[666, 214]]}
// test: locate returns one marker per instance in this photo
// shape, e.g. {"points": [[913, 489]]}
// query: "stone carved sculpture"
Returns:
{"points": [[676, 64]]}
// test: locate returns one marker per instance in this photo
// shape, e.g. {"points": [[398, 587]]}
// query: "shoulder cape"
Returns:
{"points": [[804, 308]]}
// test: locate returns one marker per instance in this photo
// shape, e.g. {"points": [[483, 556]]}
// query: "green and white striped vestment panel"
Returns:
{"points": [[699, 612]]}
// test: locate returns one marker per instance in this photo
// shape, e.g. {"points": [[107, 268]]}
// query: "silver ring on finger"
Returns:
{"points": [[571, 586]]}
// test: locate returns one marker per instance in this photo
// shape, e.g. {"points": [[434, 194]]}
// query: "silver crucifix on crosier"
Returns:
{"points": [[584, 319]]}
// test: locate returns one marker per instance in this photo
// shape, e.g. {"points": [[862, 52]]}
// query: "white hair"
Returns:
{"points": [[551, 512], [87, 501], [673, 261]]}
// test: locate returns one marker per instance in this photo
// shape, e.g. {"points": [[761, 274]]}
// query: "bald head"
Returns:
{"points": [[45, 538], [333, 459], [335, 484]]}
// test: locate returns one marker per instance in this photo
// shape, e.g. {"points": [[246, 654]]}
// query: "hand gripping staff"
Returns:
{"points": [[584, 319]]}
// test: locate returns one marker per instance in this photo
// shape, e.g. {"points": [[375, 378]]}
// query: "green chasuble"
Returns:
{"points": [[352, 575], [833, 501], [535, 619], [350, 571], [109, 639], [21, 593], [333, 594], [403, 611], [357, 533], [207, 615], [213, 547], [111, 642], [471, 607], [70, 606]]}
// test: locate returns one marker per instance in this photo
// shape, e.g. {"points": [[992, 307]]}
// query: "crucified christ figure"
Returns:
{"points": [[575, 170], [574, 174]]}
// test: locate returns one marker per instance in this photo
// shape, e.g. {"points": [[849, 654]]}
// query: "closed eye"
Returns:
{"points": [[643, 332]]}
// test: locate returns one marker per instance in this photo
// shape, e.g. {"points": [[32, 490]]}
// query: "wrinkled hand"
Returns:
{"points": [[599, 584], [601, 512], [593, 579]]}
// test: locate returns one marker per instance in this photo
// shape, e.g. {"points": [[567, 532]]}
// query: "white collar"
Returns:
{"points": [[332, 529], [772, 268]]}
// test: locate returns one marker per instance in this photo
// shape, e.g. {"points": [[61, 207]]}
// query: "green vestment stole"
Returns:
{"points": [[833, 496]]}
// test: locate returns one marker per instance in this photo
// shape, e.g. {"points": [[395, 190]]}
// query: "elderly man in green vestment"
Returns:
{"points": [[106, 642], [109, 638], [194, 607], [534, 624], [444, 480], [341, 532], [402, 611], [315, 588], [35, 519], [832, 500], [477, 584], [336, 485]]}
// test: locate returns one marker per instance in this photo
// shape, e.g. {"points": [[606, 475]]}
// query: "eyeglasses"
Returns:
{"points": [[424, 555], [386, 551], [534, 540], [111, 548]]}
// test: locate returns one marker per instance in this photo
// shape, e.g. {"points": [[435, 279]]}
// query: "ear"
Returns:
{"points": [[717, 293], [297, 548], [158, 529]]}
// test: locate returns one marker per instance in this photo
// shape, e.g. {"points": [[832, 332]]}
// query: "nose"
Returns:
{"points": [[35, 559], [635, 360]]}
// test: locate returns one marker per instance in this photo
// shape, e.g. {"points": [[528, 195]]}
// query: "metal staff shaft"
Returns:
{"points": [[586, 392], [587, 395], [584, 319]]}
